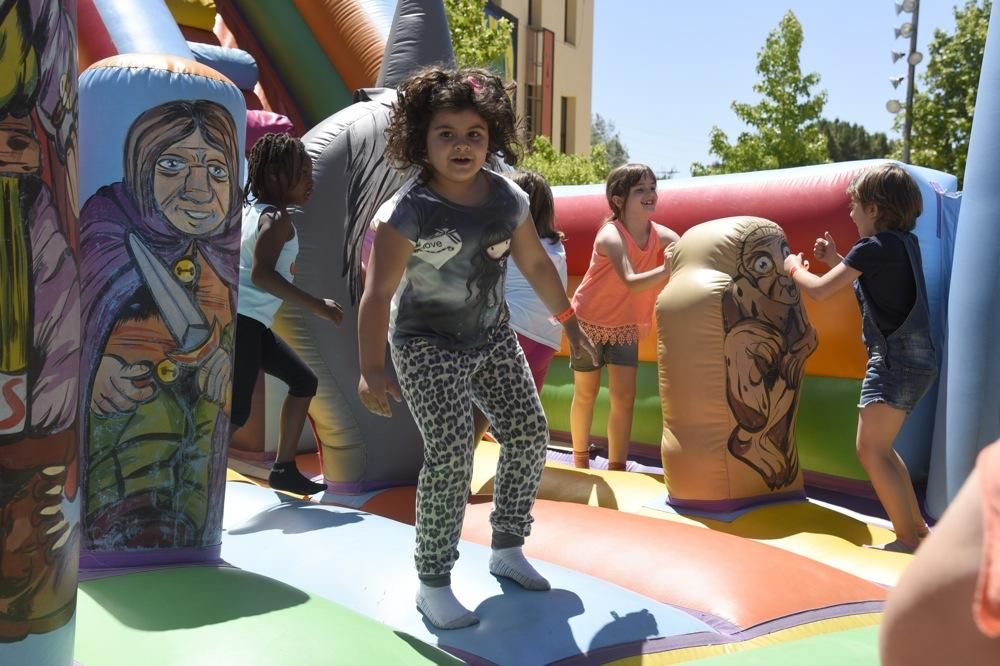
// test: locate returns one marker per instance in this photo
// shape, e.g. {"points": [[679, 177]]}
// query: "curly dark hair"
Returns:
{"points": [[436, 89], [273, 168]]}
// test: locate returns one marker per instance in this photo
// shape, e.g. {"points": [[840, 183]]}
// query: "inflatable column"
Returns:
{"points": [[734, 339], [968, 413], [161, 148], [39, 331]]}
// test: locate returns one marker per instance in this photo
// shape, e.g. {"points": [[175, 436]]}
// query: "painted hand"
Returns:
{"points": [[120, 387]]}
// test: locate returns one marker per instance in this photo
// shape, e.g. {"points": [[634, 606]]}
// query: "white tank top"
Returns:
{"points": [[253, 301]]}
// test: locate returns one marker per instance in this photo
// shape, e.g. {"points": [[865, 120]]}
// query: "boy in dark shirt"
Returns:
{"points": [[886, 270]]}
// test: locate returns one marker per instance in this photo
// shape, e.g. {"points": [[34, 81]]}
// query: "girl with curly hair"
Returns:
{"points": [[447, 241]]}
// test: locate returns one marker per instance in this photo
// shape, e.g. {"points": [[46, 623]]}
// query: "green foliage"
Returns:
{"points": [[603, 132], [784, 126], [562, 169], [475, 42], [846, 141], [942, 114]]}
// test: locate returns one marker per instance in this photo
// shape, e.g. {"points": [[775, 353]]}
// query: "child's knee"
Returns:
{"points": [[623, 397], [585, 393]]}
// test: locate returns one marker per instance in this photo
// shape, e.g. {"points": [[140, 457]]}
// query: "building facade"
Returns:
{"points": [[552, 62]]}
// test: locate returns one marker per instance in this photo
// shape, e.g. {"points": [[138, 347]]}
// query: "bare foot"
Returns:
{"points": [[897, 546]]}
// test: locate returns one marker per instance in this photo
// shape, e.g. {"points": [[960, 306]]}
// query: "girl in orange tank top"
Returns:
{"points": [[630, 264]]}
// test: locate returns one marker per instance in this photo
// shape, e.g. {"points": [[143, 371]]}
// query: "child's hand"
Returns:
{"points": [[579, 343], [668, 258], [793, 261], [374, 391], [825, 250], [327, 308]]}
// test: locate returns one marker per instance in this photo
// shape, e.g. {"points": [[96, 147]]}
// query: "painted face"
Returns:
{"points": [[864, 216], [457, 143], [191, 185], [641, 200], [763, 260], [302, 188], [498, 251]]}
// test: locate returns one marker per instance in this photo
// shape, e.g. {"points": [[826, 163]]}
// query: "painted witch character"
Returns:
{"points": [[39, 318], [159, 262], [768, 339]]}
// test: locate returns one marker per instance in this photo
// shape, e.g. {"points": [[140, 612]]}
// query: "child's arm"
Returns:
{"points": [[534, 263], [820, 287], [275, 230], [609, 243], [388, 259]]}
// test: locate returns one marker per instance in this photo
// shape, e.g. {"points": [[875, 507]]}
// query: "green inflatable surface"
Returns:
{"points": [[208, 616], [825, 428]]}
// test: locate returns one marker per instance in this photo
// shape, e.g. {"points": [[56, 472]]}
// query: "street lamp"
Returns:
{"points": [[909, 30]]}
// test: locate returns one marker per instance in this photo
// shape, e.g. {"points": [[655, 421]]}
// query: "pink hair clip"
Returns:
{"points": [[474, 83]]}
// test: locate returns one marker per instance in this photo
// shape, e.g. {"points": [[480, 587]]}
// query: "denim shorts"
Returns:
{"points": [[608, 354], [896, 384]]}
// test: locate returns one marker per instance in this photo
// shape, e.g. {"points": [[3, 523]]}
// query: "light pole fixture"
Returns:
{"points": [[913, 58], [896, 55]]}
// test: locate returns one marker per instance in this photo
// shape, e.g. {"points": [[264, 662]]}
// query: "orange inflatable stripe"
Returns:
{"points": [[837, 321], [168, 63], [751, 583], [347, 36]]}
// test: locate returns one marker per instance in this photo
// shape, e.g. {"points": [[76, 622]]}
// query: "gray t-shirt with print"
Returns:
{"points": [[452, 293]]}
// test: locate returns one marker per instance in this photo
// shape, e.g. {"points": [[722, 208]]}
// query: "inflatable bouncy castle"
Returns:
{"points": [[739, 535]]}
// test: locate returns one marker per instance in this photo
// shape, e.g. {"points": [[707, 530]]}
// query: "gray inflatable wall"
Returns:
{"points": [[360, 451]]}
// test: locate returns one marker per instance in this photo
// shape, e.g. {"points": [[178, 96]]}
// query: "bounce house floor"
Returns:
{"points": [[332, 581]]}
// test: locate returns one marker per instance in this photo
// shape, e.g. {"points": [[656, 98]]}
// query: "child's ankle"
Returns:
{"points": [[581, 459]]}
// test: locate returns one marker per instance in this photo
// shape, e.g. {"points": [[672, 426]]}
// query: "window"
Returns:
{"points": [[567, 125], [535, 13], [569, 27]]}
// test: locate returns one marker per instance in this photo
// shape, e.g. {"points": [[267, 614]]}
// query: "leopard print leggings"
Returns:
{"points": [[440, 386]]}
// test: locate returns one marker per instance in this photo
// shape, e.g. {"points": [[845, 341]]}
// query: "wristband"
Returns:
{"points": [[803, 265], [563, 316]]}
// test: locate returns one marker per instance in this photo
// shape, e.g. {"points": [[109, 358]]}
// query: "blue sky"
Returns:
{"points": [[666, 71]]}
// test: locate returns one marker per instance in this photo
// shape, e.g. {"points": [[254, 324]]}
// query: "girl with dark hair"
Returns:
{"points": [[630, 264], [452, 347], [538, 337], [279, 176]]}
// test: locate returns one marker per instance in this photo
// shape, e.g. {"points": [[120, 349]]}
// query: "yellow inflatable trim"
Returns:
{"points": [[784, 636], [805, 528], [193, 13]]}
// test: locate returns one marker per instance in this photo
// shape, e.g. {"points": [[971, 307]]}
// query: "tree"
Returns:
{"points": [[942, 114], [603, 132], [784, 129], [475, 41], [562, 169], [849, 141]]}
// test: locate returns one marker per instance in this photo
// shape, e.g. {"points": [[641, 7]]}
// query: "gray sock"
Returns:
{"points": [[511, 563], [442, 609]]}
